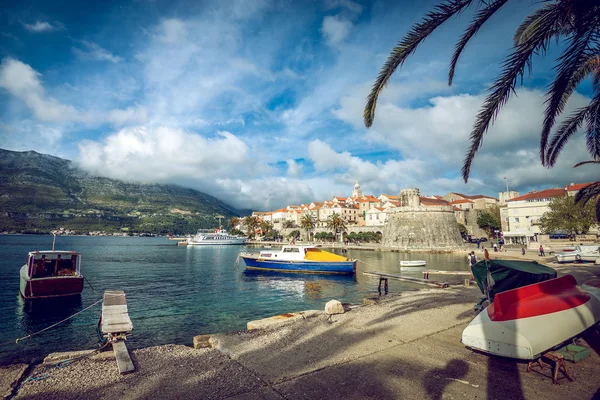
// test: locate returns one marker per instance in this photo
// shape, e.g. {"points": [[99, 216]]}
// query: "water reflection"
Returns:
{"points": [[309, 286], [36, 314]]}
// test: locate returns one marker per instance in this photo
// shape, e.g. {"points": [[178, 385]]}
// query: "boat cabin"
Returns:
{"points": [[46, 264]]}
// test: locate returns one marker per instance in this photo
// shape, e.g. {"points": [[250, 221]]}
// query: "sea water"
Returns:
{"points": [[173, 293]]}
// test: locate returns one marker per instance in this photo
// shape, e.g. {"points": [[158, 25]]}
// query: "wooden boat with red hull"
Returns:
{"points": [[49, 274], [524, 323]]}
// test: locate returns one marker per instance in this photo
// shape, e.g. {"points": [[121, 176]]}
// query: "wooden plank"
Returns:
{"points": [[115, 317], [114, 298], [114, 310], [120, 321], [407, 279], [461, 273], [123, 328], [124, 362]]}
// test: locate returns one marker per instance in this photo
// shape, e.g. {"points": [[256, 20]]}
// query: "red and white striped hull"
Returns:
{"points": [[535, 318]]}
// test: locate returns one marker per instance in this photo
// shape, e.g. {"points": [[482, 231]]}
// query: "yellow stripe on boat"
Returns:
{"points": [[322, 255]]}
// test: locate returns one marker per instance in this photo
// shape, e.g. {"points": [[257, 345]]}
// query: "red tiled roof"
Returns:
{"points": [[460, 201], [542, 194], [476, 196], [391, 196], [426, 201], [482, 196], [340, 198], [577, 186], [438, 197], [369, 198]]}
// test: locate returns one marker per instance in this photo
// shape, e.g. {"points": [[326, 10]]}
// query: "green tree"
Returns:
{"points": [[266, 227], [288, 224], [489, 220], [336, 223], [568, 216], [251, 223], [294, 234], [576, 23], [307, 223]]}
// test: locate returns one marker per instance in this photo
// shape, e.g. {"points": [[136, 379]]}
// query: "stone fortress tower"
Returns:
{"points": [[418, 227]]}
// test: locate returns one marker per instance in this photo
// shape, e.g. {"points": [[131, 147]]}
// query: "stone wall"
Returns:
{"points": [[422, 228]]}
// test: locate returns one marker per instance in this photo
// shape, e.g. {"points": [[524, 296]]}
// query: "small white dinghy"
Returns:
{"points": [[413, 263]]}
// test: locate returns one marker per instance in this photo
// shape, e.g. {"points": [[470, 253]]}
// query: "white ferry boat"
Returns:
{"points": [[212, 237]]}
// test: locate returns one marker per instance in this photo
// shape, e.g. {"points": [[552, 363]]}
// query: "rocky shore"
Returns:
{"points": [[398, 346]]}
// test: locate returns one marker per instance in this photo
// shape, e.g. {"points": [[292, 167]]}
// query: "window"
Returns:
{"points": [[516, 219]]}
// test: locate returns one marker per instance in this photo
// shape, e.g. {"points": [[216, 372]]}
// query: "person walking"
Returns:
{"points": [[542, 254], [523, 250], [478, 243], [472, 261]]}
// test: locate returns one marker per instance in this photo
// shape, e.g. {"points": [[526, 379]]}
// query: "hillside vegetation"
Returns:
{"points": [[39, 193]]}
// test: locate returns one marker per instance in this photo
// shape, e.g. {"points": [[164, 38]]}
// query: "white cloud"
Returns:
{"points": [[24, 135], [294, 169], [93, 51], [23, 82], [347, 4], [335, 29], [437, 134], [378, 177], [43, 26], [171, 155]]}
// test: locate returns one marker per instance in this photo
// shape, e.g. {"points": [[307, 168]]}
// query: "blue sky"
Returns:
{"points": [[260, 102]]}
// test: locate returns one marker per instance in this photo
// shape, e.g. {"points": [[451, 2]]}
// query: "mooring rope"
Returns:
{"points": [[88, 282], [58, 323]]}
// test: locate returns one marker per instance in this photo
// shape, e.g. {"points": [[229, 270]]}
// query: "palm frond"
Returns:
{"points": [[587, 193], [480, 18], [590, 65], [571, 60], [513, 67], [568, 128], [407, 46], [593, 127], [579, 164], [531, 24]]}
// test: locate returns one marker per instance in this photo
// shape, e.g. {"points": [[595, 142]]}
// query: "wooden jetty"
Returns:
{"points": [[384, 276], [454, 273], [116, 325]]}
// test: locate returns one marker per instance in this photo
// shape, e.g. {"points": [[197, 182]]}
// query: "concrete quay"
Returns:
{"points": [[404, 346]]}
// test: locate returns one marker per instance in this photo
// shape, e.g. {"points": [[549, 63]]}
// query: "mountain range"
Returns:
{"points": [[40, 193]]}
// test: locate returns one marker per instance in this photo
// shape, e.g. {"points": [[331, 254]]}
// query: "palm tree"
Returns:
{"points": [[251, 223], [336, 223], [307, 222], [577, 22], [266, 227]]}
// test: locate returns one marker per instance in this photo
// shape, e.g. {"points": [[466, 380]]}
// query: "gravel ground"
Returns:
{"points": [[219, 377]]}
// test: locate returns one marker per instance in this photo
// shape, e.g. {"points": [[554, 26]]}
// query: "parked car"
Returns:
{"points": [[483, 239]]}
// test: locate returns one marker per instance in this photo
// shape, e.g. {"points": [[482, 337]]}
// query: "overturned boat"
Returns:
{"points": [[523, 322]]}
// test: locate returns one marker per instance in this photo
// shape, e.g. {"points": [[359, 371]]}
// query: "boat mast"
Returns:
{"points": [[53, 239], [220, 218]]}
